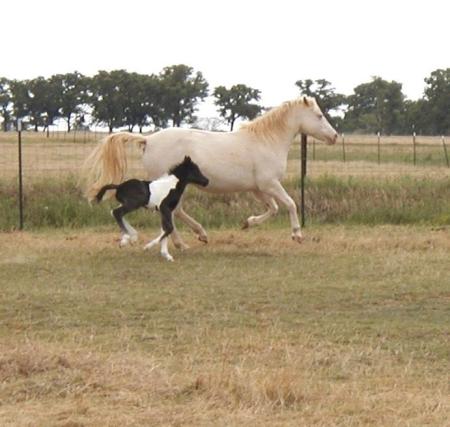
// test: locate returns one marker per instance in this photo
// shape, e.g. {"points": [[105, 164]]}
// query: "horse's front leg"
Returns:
{"points": [[176, 238], [275, 189], [192, 223], [272, 209]]}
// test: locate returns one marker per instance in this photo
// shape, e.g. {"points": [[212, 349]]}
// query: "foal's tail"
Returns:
{"points": [[107, 163], [103, 190]]}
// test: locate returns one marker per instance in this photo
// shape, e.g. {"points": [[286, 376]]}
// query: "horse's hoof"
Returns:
{"points": [[133, 238], [181, 246], [245, 225], [298, 238], [168, 257], [203, 239]]}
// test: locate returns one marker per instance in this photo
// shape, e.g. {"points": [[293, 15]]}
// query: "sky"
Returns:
{"points": [[267, 45]]}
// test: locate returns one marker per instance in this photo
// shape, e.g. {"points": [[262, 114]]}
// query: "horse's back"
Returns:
{"points": [[227, 159]]}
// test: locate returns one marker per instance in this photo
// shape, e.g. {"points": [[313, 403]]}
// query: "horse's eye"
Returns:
{"points": [[320, 116]]}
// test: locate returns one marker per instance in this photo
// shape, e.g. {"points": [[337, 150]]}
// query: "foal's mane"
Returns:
{"points": [[274, 122]]}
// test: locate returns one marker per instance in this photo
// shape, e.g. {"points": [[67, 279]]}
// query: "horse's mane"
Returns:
{"points": [[274, 121]]}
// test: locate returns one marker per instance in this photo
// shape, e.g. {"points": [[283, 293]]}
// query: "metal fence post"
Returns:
{"points": [[343, 147], [19, 136], [445, 151], [379, 147], [303, 156]]}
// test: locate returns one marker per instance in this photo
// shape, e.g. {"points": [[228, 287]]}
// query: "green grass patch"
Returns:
{"points": [[329, 199]]}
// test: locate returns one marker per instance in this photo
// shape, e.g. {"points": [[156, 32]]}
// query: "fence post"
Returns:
{"points": [[303, 147], [379, 147], [445, 150], [19, 136], [414, 148], [343, 147]]}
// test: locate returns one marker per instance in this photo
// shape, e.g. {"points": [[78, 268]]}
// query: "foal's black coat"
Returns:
{"points": [[134, 194]]}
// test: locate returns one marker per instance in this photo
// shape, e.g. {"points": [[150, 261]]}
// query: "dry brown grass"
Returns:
{"points": [[245, 352], [269, 383]]}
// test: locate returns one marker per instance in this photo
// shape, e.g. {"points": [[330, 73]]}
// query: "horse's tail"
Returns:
{"points": [[103, 190], [107, 163]]}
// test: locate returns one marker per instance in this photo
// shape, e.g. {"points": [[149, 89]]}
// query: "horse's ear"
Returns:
{"points": [[187, 159], [305, 101]]}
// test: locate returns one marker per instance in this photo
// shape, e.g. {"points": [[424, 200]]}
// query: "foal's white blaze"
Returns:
{"points": [[160, 188]]}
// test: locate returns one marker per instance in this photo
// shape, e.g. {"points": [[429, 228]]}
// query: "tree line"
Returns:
{"points": [[119, 98]]}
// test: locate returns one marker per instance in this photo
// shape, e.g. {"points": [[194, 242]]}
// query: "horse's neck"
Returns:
{"points": [[287, 134]]}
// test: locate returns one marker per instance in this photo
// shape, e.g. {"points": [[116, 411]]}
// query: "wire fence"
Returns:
{"points": [[62, 154]]}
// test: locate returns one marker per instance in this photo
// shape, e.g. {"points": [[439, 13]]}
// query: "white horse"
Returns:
{"points": [[253, 158]]}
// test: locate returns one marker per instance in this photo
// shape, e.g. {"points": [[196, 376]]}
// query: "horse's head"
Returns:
{"points": [[312, 121], [192, 173]]}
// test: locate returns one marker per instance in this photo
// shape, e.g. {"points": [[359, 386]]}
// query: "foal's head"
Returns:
{"points": [[188, 171]]}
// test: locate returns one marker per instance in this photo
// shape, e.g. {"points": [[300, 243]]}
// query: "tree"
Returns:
{"points": [[43, 101], [236, 102], [143, 103], [5, 102], [108, 99], [437, 101], [72, 94], [324, 93], [182, 90], [21, 98], [377, 106]]}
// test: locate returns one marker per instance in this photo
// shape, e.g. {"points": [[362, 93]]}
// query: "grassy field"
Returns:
{"points": [[351, 328]]}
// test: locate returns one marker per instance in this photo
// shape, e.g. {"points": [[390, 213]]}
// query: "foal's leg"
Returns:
{"points": [[167, 228], [154, 242], [271, 211], [164, 251], [192, 223], [131, 231], [275, 189], [128, 232]]}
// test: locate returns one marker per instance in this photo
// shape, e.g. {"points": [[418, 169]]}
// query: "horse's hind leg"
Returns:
{"points": [[271, 211], [192, 223]]}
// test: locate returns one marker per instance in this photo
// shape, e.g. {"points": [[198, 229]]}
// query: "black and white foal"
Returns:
{"points": [[162, 194]]}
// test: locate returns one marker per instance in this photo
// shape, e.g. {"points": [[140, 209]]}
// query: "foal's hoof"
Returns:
{"points": [[125, 241], [245, 225], [168, 257], [203, 239], [150, 245]]}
